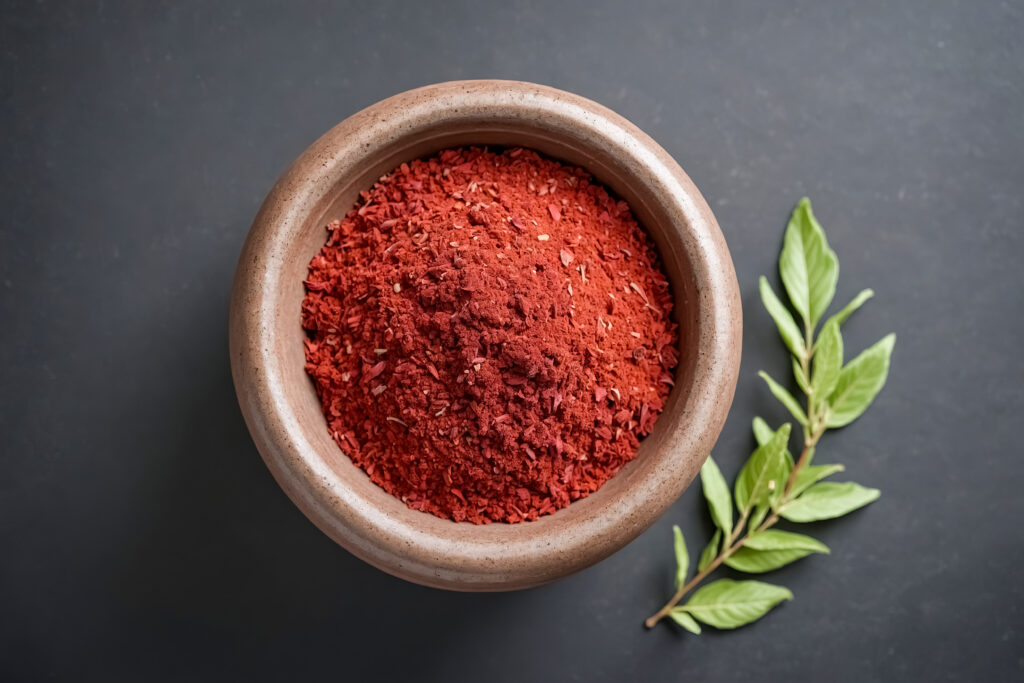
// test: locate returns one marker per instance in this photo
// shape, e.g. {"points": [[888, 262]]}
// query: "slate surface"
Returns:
{"points": [[142, 537]]}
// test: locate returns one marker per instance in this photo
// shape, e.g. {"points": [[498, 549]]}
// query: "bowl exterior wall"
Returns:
{"points": [[278, 400]]}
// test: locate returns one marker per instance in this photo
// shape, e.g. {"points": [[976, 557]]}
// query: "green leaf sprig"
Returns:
{"points": [[772, 485]]}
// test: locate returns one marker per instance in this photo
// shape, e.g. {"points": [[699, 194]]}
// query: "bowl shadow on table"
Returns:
{"points": [[216, 550]]}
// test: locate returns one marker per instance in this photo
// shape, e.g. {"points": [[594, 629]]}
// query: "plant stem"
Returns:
{"points": [[805, 365], [700, 576], [812, 432], [731, 543], [805, 454]]}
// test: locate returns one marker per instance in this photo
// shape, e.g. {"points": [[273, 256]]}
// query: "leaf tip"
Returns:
{"points": [[684, 619]]}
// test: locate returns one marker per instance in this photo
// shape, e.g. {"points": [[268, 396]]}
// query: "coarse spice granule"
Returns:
{"points": [[489, 334]]}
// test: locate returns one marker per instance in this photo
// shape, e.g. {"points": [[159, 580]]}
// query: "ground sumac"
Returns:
{"points": [[489, 334]]}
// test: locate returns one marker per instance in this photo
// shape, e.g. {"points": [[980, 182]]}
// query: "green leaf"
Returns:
{"points": [[809, 269], [763, 433], [827, 500], [728, 604], [776, 539], [776, 490], [683, 618], [784, 397], [788, 330], [682, 557], [758, 515], [760, 561], [828, 361], [801, 379], [767, 464], [812, 474], [848, 310], [710, 551], [771, 549], [717, 493], [859, 383]]}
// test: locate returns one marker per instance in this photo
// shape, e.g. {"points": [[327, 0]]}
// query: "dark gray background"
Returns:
{"points": [[142, 537]]}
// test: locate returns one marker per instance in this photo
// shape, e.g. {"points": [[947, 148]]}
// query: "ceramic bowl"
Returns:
{"points": [[281, 407]]}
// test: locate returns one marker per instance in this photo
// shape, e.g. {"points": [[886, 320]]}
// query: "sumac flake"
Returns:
{"points": [[510, 328]]}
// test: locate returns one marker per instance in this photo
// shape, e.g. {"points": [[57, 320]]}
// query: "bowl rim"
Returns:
{"points": [[415, 548]]}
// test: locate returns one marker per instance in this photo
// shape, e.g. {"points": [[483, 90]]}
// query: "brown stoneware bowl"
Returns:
{"points": [[281, 407]]}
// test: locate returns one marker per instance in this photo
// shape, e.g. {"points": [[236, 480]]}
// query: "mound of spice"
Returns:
{"points": [[489, 334]]}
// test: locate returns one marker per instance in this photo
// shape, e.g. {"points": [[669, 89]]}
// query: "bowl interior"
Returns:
{"points": [[343, 196], [334, 492]]}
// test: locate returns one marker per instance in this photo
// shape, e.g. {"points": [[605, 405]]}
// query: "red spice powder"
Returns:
{"points": [[489, 334]]}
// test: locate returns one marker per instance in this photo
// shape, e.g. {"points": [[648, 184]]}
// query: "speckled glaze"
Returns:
{"points": [[278, 399]]}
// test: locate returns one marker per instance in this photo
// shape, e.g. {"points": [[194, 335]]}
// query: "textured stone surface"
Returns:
{"points": [[144, 539]]}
